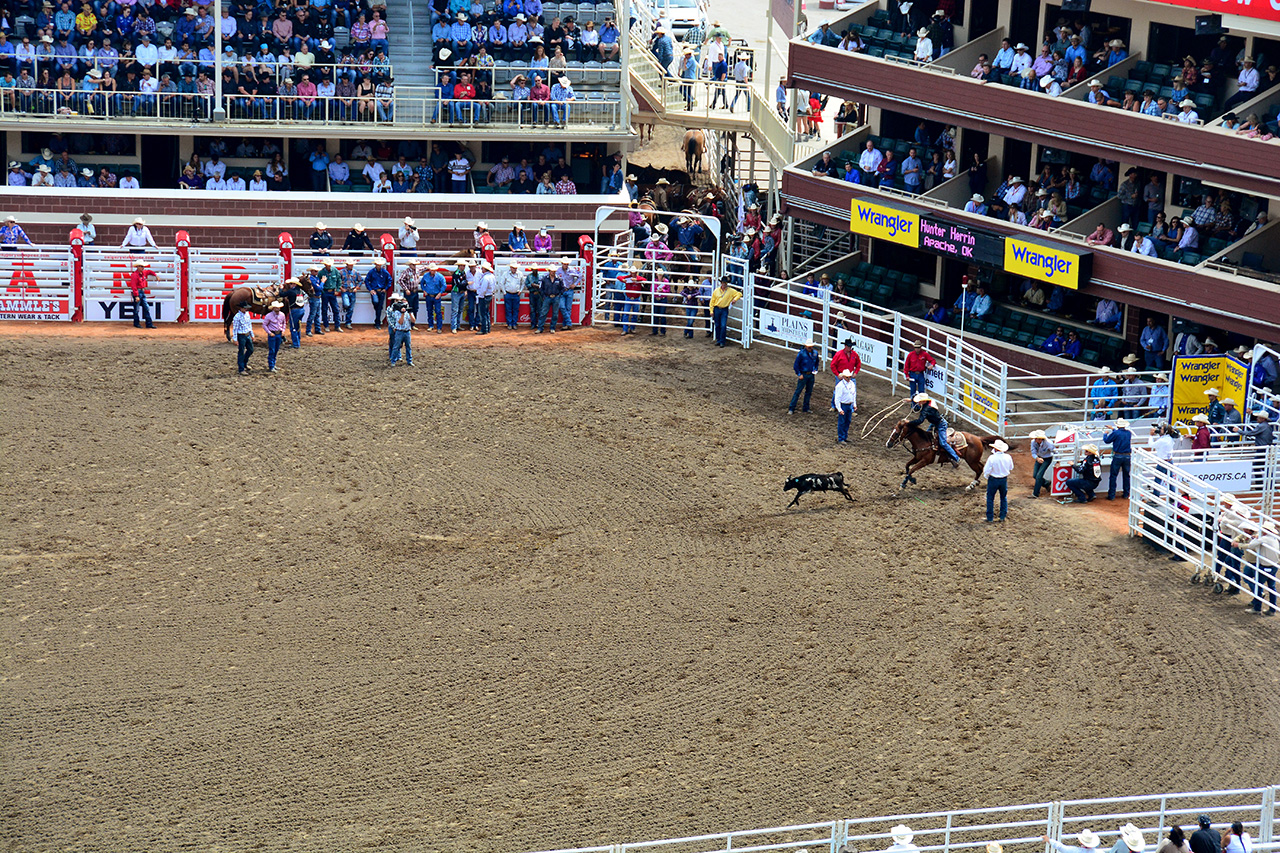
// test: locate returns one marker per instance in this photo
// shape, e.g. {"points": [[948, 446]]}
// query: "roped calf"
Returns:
{"points": [[806, 483]]}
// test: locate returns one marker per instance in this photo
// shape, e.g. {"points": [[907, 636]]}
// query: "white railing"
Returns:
{"points": [[414, 106], [106, 284], [1052, 402], [1016, 827], [214, 273], [1230, 544]]}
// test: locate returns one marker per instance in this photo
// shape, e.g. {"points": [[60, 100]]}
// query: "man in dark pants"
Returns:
{"points": [[806, 369], [1121, 441], [998, 468], [138, 291], [1206, 839], [552, 287], [1090, 471], [242, 329]]}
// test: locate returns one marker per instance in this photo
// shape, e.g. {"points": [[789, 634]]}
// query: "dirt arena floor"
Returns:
{"points": [[543, 592]]}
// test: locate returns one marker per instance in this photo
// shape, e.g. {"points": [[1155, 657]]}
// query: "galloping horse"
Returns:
{"points": [[921, 444], [694, 147], [249, 296]]}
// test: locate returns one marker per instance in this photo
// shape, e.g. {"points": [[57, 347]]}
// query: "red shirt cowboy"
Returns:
{"points": [[485, 242], [846, 359], [918, 361], [138, 278]]}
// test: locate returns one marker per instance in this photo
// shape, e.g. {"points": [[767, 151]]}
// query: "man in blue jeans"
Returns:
{"points": [[806, 369], [997, 470], [722, 298], [242, 330], [918, 361], [1121, 441], [846, 402], [400, 320], [929, 412]]}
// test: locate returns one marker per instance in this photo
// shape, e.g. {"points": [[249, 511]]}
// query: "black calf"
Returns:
{"points": [[806, 483]]}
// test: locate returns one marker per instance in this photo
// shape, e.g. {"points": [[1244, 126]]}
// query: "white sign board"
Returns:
{"points": [[874, 354], [1229, 475], [935, 380], [785, 327]]}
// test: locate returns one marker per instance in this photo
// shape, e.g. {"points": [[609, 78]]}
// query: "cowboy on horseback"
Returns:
{"points": [[929, 412]]}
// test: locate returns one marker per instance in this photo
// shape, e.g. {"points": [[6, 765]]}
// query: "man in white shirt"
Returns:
{"points": [[235, 182], [362, 151], [373, 171], [408, 236], [339, 172], [42, 177], [146, 53], [458, 169], [868, 162], [1016, 192], [1188, 114], [1142, 244], [742, 77], [1021, 60], [215, 167], [138, 237], [924, 46], [1248, 81], [215, 183], [129, 182], [845, 399], [997, 470]]}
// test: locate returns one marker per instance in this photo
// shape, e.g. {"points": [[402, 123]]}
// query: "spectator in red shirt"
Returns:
{"points": [[918, 361], [138, 290]]}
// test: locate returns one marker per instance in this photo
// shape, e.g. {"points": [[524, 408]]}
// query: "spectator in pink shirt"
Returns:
{"points": [[273, 323], [306, 97]]}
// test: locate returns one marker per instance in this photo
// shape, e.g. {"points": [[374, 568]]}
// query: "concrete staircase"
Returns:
{"points": [[410, 42]]}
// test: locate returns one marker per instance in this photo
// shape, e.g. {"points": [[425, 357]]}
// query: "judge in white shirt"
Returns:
{"points": [[997, 470], [215, 183], [868, 162], [138, 237]]}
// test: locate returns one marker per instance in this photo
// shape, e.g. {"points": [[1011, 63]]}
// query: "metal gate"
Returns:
{"points": [[657, 305], [214, 273], [37, 283], [106, 284]]}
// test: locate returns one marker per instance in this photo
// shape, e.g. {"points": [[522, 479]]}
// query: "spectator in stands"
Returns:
{"points": [[1053, 345], [1104, 396], [1188, 114]]}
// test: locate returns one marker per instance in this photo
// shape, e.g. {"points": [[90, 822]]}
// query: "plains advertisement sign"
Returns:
{"points": [[785, 327]]}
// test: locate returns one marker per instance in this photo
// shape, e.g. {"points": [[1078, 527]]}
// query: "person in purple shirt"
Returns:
{"points": [[273, 323]]}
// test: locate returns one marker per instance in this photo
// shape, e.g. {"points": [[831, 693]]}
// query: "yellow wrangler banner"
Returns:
{"points": [[981, 404], [1235, 382], [885, 223], [1192, 374], [1044, 263]]}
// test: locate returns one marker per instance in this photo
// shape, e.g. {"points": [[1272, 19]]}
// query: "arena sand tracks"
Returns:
{"points": [[544, 593]]}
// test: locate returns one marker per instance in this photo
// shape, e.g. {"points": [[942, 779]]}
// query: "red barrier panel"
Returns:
{"points": [[77, 275], [182, 240]]}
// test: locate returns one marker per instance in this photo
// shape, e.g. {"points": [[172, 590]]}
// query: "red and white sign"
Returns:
{"points": [[214, 274], [1266, 10], [36, 285], [1058, 485], [106, 286]]}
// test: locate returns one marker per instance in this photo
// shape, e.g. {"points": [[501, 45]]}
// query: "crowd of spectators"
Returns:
{"points": [[138, 58]]}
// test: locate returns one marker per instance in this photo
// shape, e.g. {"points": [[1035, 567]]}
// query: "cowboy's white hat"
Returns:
{"points": [[351, 262], [1212, 392], [1187, 102], [357, 227], [277, 304], [1093, 83], [485, 265], [902, 834], [1227, 401], [482, 225], [1162, 377], [380, 261], [319, 226], [922, 32], [1122, 423], [976, 197], [328, 262], [139, 221], [142, 263], [1015, 180], [1132, 838], [1088, 838], [844, 374], [922, 398], [1131, 370], [1002, 447], [88, 173], [1037, 433], [1090, 447], [1130, 358], [408, 220], [809, 343], [661, 228], [1200, 417], [513, 264], [314, 268], [1125, 229]]}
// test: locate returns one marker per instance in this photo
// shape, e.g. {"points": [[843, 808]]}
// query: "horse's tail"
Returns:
{"points": [[988, 439]]}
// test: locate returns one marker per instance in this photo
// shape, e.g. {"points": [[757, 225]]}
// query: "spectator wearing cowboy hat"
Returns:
{"points": [[805, 368], [1262, 431], [1202, 440], [378, 282], [845, 399], [1130, 840], [242, 329], [1088, 839], [273, 323], [1121, 441], [1216, 412], [138, 291], [87, 229], [1089, 471], [997, 470], [138, 237], [902, 837], [1042, 455], [408, 237], [1230, 414]]}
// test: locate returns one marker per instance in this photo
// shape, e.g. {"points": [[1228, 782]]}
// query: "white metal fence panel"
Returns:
{"points": [[37, 283], [214, 273], [106, 284], [1085, 400], [1229, 543]]}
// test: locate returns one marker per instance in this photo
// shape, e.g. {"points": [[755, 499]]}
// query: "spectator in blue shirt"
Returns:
{"points": [[806, 369], [1072, 348], [1054, 343], [1154, 342]]}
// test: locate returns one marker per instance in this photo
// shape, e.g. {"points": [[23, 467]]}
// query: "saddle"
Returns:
{"points": [[955, 438]]}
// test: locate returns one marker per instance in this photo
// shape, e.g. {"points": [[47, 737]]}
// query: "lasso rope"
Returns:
{"points": [[884, 413]]}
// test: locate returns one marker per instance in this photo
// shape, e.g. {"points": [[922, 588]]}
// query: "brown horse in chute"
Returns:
{"points": [[924, 449], [259, 302]]}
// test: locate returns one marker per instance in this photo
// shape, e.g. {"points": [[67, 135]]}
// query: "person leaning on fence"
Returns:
{"points": [[1130, 840], [917, 362], [902, 838], [242, 329], [1088, 839], [1089, 471], [1042, 455], [1121, 441], [1260, 547], [806, 370]]}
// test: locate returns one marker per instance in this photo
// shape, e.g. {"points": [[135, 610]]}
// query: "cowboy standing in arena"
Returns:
{"points": [[846, 359], [929, 412], [349, 282], [846, 405], [273, 323], [242, 328], [378, 282], [1121, 441], [138, 290], [997, 470], [330, 281], [400, 321], [806, 370], [917, 362]]}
